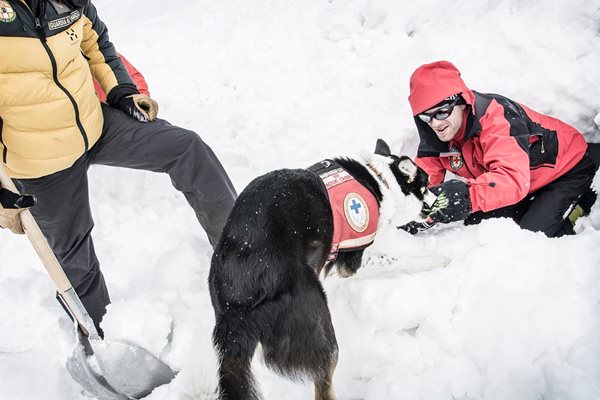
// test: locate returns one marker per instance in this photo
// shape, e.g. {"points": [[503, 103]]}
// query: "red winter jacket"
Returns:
{"points": [[136, 75], [504, 149]]}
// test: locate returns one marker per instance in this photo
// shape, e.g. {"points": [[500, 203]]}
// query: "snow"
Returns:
{"points": [[479, 312]]}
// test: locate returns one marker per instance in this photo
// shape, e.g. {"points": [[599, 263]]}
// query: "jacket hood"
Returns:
{"points": [[432, 83]]}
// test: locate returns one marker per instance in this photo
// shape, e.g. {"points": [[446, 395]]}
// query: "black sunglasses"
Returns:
{"points": [[439, 114]]}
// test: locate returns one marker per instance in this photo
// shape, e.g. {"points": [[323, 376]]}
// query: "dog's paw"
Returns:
{"points": [[378, 263]]}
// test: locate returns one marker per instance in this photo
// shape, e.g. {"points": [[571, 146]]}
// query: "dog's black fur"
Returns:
{"points": [[264, 277]]}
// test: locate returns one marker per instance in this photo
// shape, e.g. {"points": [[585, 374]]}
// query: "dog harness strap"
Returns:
{"points": [[355, 209]]}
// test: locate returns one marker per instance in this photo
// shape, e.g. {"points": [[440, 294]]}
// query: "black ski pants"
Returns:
{"points": [[546, 209], [63, 210]]}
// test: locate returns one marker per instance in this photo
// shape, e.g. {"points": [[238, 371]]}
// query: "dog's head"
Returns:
{"points": [[403, 184]]}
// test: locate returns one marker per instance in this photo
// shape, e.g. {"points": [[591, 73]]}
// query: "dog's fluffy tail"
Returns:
{"points": [[199, 373]]}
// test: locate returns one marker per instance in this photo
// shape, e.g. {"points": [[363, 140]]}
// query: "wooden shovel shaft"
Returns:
{"points": [[55, 270], [38, 240]]}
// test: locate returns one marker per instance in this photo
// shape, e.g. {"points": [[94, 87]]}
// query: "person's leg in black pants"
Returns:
{"points": [[546, 209], [161, 147], [63, 211], [63, 214]]}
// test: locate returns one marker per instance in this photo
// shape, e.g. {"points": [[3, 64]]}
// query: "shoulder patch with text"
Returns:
{"points": [[64, 21]]}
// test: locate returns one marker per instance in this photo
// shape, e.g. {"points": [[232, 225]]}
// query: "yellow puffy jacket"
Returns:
{"points": [[49, 112]]}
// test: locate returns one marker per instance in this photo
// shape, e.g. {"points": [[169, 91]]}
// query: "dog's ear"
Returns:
{"points": [[408, 168], [382, 148]]}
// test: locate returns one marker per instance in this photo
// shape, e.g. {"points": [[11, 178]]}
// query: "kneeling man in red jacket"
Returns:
{"points": [[512, 161]]}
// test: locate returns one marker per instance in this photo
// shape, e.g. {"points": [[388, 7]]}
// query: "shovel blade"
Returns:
{"points": [[89, 378], [117, 370], [130, 369]]}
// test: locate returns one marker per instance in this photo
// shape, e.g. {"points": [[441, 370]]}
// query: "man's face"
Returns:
{"points": [[447, 128]]}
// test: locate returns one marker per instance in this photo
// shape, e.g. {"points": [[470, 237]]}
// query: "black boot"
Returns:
{"points": [[583, 206]]}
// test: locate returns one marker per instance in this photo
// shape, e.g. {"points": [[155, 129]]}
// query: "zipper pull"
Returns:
{"points": [[40, 29], [543, 150]]}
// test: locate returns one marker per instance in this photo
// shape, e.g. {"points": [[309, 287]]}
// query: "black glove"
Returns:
{"points": [[10, 199], [139, 106], [415, 227], [452, 204], [11, 204]]}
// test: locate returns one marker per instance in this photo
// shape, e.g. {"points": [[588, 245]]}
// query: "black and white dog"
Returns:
{"points": [[264, 276]]}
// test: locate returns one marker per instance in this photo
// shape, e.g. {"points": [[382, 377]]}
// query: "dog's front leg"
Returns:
{"points": [[348, 263]]}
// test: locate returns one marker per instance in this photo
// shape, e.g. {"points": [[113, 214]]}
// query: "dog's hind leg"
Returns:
{"points": [[324, 383], [299, 340], [236, 381], [235, 342]]}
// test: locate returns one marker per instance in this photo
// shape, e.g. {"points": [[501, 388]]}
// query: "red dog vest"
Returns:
{"points": [[355, 209]]}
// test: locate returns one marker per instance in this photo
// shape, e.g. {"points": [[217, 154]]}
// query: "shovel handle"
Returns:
{"points": [[55, 270], [37, 239]]}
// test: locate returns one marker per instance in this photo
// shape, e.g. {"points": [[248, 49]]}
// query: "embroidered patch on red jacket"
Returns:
{"points": [[456, 162]]}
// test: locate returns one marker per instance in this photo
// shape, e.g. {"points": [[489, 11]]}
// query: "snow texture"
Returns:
{"points": [[479, 312]]}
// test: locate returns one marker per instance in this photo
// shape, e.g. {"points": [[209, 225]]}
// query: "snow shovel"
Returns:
{"points": [[108, 370]]}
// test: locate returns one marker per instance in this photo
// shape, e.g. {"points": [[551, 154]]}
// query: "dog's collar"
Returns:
{"points": [[378, 175], [324, 168]]}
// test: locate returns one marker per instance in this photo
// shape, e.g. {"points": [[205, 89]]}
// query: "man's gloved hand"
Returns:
{"points": [[140, 107], [414, 227], [452, 204], [11, 204]]}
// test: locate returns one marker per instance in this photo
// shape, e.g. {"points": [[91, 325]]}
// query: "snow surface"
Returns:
{"points": [[478, 312]]}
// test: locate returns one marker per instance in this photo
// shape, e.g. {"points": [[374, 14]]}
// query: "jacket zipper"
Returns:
{"points": [[42, 37], [4, 150], [467, 167], [541, 138]]}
